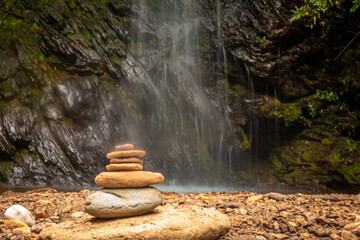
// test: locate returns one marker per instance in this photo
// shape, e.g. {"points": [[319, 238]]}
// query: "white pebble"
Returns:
{"points": [[18, 212]]}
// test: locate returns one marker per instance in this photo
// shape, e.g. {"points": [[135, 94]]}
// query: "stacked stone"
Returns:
{"points": [[126, 187]]}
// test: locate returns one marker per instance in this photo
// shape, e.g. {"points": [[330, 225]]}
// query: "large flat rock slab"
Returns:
{"points": [[164, 223]]}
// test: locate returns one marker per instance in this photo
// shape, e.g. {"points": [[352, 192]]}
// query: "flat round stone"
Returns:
{"points": [[112, 203], [186, 222], [126, 160], [124, 167], [128, 179], [127, 153], [124, 147]]}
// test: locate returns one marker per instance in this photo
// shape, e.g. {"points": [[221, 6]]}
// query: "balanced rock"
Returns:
{"points": [[165, 223], [18, 212], [126, 160], [126, 154], [128, 179], [124, 147], [124, 167], [112, 203]]}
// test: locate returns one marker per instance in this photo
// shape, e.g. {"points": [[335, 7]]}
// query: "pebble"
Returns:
{"points": [[14, 224], [44, 202], [77, 214], [276, 196], [18, 212], [67, 209], [41, 213], [126, 154], [351, 226], [334, 236], [21, 231], [124, 167], [346, 235], [254, 198]]}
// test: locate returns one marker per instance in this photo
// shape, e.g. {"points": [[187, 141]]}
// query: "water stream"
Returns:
{"points": [[187, 133]]}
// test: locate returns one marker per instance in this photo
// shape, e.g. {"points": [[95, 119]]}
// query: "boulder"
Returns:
{"points": [[164, 223], [124, 167], [112, 203], [18, 212], [128, 179]]}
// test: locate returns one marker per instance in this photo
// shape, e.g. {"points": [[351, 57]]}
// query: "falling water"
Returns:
{"points": [[169, 111]]}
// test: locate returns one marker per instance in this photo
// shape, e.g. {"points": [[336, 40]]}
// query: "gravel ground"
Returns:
{"points": [[254, 216]]}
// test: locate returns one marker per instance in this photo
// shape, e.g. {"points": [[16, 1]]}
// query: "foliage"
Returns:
{"points": [[322, 11], [289, 113], [261, 40], [351, 145], [312, 109], [326, 95]]}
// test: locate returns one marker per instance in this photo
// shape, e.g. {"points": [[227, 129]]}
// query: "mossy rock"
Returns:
{"points": [[317, 157], [4, 166]]}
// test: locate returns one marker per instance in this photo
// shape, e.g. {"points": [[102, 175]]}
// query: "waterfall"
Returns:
{"points": [[187, 134]]}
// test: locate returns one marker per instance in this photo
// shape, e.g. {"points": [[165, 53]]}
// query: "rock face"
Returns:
{"points": [[180, 224], [112, 203], [18, 212], [128, 179]]}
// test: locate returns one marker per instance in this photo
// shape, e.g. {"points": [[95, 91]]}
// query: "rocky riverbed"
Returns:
{"points": [[254, 216]]}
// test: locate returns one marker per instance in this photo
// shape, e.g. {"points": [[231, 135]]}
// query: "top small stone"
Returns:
{"points": [[124, 147]]}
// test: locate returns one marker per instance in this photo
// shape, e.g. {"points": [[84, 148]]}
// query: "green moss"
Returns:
{"points": [[313, 165], [6, 89], [295, 176], [277, 165], [243, 144], [289, 113], [351, 173], [336, 159], [68, 162], [4, 167]]}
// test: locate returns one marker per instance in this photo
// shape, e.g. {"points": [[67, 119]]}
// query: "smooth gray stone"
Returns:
{"points": [[124, 202]]}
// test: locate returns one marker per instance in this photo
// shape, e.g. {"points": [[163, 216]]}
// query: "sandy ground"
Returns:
{"points": [[254, 216]]}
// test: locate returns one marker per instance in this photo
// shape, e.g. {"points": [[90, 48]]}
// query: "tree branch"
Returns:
{"points": [[357, 34]]}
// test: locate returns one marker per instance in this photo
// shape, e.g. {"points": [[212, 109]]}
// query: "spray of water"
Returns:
{"points": [[168, 110]]}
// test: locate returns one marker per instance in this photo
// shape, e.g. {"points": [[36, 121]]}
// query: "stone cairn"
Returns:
{"points": [[126, 189]]}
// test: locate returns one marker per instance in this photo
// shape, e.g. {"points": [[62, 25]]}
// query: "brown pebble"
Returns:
{"points": [[346, 235], [126, 160], [40, 214], [277, 196]]}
